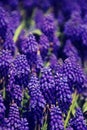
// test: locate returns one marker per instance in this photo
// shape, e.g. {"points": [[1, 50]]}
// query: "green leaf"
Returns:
{"points": [[85, 107], [4, 93], [73, 111], [26, 95], [18, 31], [44, 127], [72, 107]]}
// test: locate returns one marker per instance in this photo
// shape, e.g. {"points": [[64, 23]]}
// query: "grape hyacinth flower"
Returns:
{"points": [[55, 121], [63, 92], [72, 27], [15, 17], [37, 102], [70, 6], [70, 50], [3, 24], [55, 64], [21, 40], [2, 109], [9, 43], [60, 18], [38, 18], [53, 61], [5, 60], [19, 71], [47, 85], [13, 121], [29, 47], [44, 45], [48, 27], [34, 82], [16, 92], [54, 46], [39, 62], [75, 73], [83, 34], [78, 122]]}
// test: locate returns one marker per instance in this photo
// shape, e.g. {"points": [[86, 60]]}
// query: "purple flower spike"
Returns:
{"points": [[78, 122], [63, 92], [55, 121], [19, 71], [47, 85], [2, 109]]}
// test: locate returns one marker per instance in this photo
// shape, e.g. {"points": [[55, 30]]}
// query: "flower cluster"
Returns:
{"points": [[78, 121], [55, 119], [63, 92], [37, 101], [2, 109], [13, 121], [47, 85], [5, 60], [19, 71]]}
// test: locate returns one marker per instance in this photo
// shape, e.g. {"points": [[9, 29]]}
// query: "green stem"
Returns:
{"points": [[75, 97], [36, 31], [4, 94], [47, 64], [18, 31], [22, 102]]}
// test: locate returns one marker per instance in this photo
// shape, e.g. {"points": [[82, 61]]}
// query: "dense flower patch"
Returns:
{"points": [[43, 65]]}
